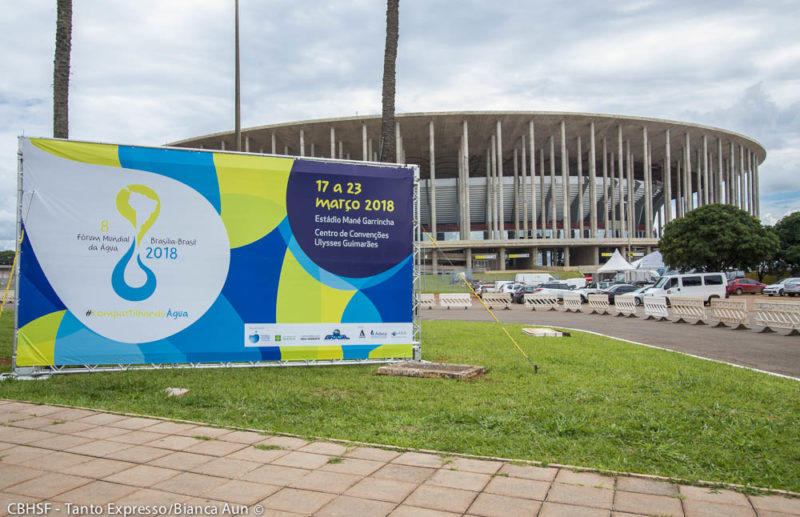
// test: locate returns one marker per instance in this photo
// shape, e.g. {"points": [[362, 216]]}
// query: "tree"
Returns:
{"points": [[388, 150], [7, 257], [788, 230], [61, 69], [716, 238]]}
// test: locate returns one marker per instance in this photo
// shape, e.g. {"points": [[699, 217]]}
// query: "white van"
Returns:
{"points": [[691, 285]]}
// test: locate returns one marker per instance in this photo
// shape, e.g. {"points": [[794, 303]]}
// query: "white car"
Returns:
{"points": [[557, 288], [785, 286]]}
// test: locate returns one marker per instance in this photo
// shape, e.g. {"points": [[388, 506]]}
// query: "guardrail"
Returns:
{"points": [[783, 315], [572, 302], [427, 300], [493, 300], [688, 308], [536, 301], [457, 300], [598, 303], [626, 305], [655, 307], [732, 313]]}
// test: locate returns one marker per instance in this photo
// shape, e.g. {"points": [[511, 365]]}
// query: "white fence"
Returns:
{"points": [[536, 301], [688, 309], [494, 300], [772, 315], [626, 305], [732, 313], [655, 307], [598, 303], [457, 300], [572, 302], [427, 300]]}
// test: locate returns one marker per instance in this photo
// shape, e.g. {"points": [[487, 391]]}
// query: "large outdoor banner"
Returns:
{"points": [[135, 255]]}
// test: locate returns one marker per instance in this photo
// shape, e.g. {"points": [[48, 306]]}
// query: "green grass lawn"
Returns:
{"points": [[596, 402]]}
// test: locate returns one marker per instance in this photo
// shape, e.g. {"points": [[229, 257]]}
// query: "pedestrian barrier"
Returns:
{"points": [[626, 305], [572, 302], [427, 300], [688, 308], [772, 315], [731, 313], [536, 301], [598, 303], [456, 300], [655, 307], [494, 300]]}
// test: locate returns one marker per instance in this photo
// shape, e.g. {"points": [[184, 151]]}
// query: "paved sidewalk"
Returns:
{"points": [[70, 457]]}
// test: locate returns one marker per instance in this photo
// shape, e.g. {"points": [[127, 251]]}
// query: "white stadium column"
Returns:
{"points": [[524, 171], [705, 170], [580, 189], [364, 155], [302, 143], [742, 164], [465, 167], [516, 210], [553, 188], [605, 205], [679, 181], [631, 209], [274, 146], [592, 184], [489, 196], [621, 172], [542, 197], [532, 154], [718, 193], [247, 144], [667, 179], [432, 184], [333, 142], [565, 212], [501, 185], [687, 175], [648, 186]]}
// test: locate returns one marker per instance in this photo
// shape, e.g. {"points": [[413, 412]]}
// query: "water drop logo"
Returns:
{"points": [[133, 203]]}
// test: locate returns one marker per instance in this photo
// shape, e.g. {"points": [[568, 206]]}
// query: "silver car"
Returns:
{"points": [[785, 286]]}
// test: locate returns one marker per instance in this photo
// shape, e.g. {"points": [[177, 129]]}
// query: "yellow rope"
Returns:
{"points": [[521, 351], [11, 274]]}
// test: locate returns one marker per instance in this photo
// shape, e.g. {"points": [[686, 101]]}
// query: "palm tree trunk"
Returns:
{"points": [[61, 69], [388, 151]]}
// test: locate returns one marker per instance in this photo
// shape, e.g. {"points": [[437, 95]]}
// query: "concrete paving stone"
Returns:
{"points": [[135, 437], [24, 436], [6, 417], [61, 442], [99, 448], [203, 430], [70, 414], [518, 487], [13, 474], [173, 442], [68, 427], [138, 453], [22, 455], [581, 495], [150, 497], [134, 423], [101, 432], [768, 513], [215, 447], [189, 483], [441, 498], [775, 503], [271, 512], [298, 501], [171, 427], [457, 479], [479, 466], [242, 492], [646, 486], [346, 506], [414, 511], [493, 505], [58, 461], [7, 502], [327, 448], [418, 459], [320, 481], [389, 490], [275, 475], [226, 468], [180, 460], [550, 509], [287, 442], [404, 473], [696, 508], [372, 453], [354, 466], [647, 504], [142, 476], [96, 492], [625, 514], [4, 446], [48, 485], [302, 460], [253, 453], [98, 468], [529, 472], [42, 409], [713, 495], [32, 422], [584, 478], [245, 437], [101, 419]]}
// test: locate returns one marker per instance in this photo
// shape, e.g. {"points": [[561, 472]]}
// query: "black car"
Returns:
{"points": [[519, 294], [618, 289]]}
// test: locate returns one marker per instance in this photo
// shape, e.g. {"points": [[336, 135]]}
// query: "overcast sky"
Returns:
{"points": [[150, 72]]}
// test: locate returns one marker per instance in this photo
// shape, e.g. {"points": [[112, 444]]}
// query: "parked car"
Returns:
{"points": [[792, 288], [557, 288], [779, 288], [618, 289], [638, 295], [519, 294], [744, 285], [695, 285], [586, 291]]}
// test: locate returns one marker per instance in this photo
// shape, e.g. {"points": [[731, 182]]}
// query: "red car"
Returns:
{"points": [[745, 285]]}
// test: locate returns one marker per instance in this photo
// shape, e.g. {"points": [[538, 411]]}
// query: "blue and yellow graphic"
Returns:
{"points": [[121, 287]]}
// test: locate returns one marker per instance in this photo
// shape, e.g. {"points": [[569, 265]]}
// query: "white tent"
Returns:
{"points": [[652, 261], [616, 264]]}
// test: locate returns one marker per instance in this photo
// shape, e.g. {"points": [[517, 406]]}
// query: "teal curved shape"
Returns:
{"points": [[328, 278], [361, 310], [123, 290]]}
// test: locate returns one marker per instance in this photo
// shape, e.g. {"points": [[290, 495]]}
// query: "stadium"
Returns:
{"points": [[524, 189]]}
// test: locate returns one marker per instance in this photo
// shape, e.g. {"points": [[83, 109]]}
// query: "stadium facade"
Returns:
{"points": [[518, 190]]}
